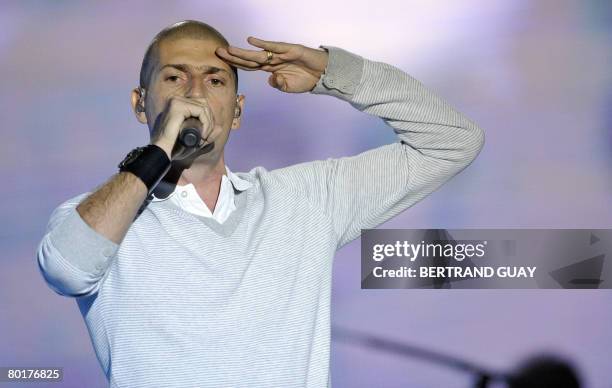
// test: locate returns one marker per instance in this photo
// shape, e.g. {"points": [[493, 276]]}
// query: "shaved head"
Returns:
{"points": [[191, 29]]}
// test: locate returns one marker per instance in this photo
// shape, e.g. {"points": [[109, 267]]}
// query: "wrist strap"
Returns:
{"points": [[149, 164]]}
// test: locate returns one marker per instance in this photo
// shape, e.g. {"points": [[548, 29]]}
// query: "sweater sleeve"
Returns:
{"points": [[434, 143], [72, 257]]}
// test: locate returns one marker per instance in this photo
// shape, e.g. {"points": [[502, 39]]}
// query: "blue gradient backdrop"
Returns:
{"points": [[536, 75]]}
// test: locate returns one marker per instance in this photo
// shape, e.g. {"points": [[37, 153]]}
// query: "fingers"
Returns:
{"points": [[177, 111], [250, 65], [244, 64], [277, 81], [273, 68], [199, 110], [254, 59], [182, 108], [259, 56], [275, 47]]}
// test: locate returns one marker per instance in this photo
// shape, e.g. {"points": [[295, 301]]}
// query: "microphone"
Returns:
{"points": [[189, 137], [189, 141]]}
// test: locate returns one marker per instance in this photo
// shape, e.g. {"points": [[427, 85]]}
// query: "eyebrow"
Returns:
{"points": [[205, 69]]}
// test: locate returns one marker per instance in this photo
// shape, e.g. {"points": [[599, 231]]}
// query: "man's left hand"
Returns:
{"points": [[295, 68]]}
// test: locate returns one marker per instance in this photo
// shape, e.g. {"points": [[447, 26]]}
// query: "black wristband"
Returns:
{"points": [[149, 164]]}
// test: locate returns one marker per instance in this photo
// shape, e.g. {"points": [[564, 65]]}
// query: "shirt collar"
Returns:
{"points": [[238, 183]]}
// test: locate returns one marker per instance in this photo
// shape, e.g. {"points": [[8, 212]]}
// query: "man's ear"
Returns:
{"points": [[239, 108], [138, 104]]}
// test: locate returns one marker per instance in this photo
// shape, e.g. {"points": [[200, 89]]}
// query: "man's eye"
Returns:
{"points": [[216, 81], [172, 78]]}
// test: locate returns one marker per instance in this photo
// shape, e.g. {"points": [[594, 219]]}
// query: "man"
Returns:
{"points": [[223, 279]]}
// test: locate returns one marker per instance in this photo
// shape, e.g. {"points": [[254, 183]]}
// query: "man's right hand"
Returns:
{"points": [[170, 123], [111, 209]]}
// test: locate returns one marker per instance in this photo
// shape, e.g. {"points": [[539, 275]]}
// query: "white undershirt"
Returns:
{"points": [[187, 198]]}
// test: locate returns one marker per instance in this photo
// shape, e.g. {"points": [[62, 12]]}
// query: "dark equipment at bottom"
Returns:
{"points": [[544, 371]]}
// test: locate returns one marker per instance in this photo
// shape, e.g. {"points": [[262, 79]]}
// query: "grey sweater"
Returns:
{"points": [[184, 301]]}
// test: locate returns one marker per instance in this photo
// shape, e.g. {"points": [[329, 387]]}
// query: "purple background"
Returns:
{"points": [[535, 75]]}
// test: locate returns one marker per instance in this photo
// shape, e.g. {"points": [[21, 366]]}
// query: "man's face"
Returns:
{"points": [[190, 68]]}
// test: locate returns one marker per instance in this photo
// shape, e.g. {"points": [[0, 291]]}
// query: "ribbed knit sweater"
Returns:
{"points": [[184, 301]]}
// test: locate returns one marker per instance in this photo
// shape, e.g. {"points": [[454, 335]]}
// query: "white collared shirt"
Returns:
{"points": [[187, 198]]}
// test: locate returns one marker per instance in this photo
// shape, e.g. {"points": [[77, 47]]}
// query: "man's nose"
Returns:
{"points": [[196, 88]]}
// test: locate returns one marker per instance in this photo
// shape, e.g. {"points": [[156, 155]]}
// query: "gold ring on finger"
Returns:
{"points": [[269, 56]]}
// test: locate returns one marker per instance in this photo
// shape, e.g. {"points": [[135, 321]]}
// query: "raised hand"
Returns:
{"points": [[295, 68]]}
